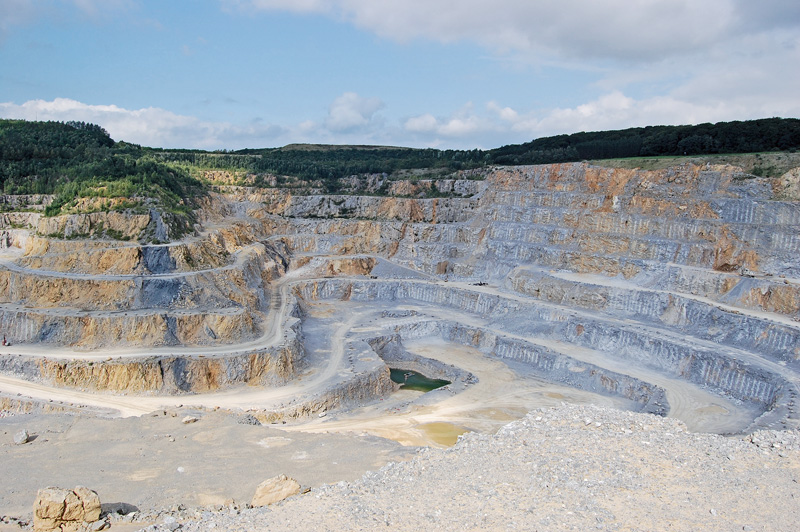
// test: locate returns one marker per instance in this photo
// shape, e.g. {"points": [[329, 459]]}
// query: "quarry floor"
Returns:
{"points": [[150, 461], [647, 474], [641, 472]]}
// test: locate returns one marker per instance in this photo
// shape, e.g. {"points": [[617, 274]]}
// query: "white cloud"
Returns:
{"points": [[150, 126], [350, 118], [350, 112], [656, 61], [460, 126], [506, 114], [590, 29], [498, 125], [615, 110], [301, 6], [426, 123], [463, 128]]}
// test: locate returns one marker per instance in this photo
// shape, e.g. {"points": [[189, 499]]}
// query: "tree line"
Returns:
{"points": [[769, 134], [71, 159]]}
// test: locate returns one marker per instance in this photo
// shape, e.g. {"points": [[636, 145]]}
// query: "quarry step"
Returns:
{"points": [[742, 374], [660, 277], [770, 333]]}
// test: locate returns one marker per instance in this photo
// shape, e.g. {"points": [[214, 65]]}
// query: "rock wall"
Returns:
{"points": [[361, 388], [731, 371], [170, 374], [223, 305], [691, 272]]}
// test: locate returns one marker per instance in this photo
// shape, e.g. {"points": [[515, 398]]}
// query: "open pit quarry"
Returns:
{"points": [[673, 292]]}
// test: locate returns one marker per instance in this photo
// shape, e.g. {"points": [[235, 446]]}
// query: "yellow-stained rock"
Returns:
{"points": [[274, 490], [62, 509], [91, 503]]}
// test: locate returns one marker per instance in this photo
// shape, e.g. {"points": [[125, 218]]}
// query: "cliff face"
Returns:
{"points": [[690, 271]]}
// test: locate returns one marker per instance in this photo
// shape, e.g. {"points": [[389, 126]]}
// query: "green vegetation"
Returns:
{"points": [[328, 164], [87, 171], [75, 160], [764, 164], [770, 134]]}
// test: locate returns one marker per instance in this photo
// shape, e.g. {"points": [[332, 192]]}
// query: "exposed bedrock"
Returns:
{"points": [[362, 387], [224, 305], [391, 350], [576, 271], [544, 362], [226, 286], [731, 371], [701, 228], [152, 328], [183, 372], [698, 318], [128, 226], [28, 405], [378, 208], [99, 257]]}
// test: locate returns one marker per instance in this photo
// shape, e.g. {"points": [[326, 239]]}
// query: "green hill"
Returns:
{"points": [[77, 160]]}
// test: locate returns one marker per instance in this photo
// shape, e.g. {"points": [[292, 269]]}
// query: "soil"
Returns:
{"points": [[156, 461]]}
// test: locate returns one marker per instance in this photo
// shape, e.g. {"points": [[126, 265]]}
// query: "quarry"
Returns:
{"points": [[672, 292]]}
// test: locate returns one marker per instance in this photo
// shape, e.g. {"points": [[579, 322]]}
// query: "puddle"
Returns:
{"points": [[442, 433], [712, 410], [411, 380]]}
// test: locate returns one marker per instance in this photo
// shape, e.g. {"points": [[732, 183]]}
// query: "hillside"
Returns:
{"points": [[85, 171], [771, 134], [79, 160]]}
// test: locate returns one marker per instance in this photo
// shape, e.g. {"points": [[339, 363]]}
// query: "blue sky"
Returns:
{"points": [[441, 73]]}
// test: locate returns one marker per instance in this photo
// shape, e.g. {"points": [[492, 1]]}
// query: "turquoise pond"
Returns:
{"points": [[411, 380]]}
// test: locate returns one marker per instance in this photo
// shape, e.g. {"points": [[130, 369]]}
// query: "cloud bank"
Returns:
{"points": [[629, 30], [653, 61], [658, 61], [150, 126]]}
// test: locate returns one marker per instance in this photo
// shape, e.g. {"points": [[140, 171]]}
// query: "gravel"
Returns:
{"points": [[566, 468]]}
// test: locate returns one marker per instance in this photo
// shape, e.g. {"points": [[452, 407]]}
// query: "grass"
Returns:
{"points": [[763, 164]]}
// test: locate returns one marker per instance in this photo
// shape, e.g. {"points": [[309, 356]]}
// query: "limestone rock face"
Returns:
{"points": [[274, 490], [790, 184], [64, 509], [128, 225], [673, 268]]}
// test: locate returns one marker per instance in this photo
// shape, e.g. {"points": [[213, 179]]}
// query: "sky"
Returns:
{"points": [[461, 74]]}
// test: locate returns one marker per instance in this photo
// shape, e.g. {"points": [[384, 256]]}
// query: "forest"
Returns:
{"points": [[770, 134], [77, 159]]}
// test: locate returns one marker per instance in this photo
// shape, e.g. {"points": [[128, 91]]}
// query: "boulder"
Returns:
{"points": [[91, 504], [64, 509], [274, 490], [22, 437]]}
